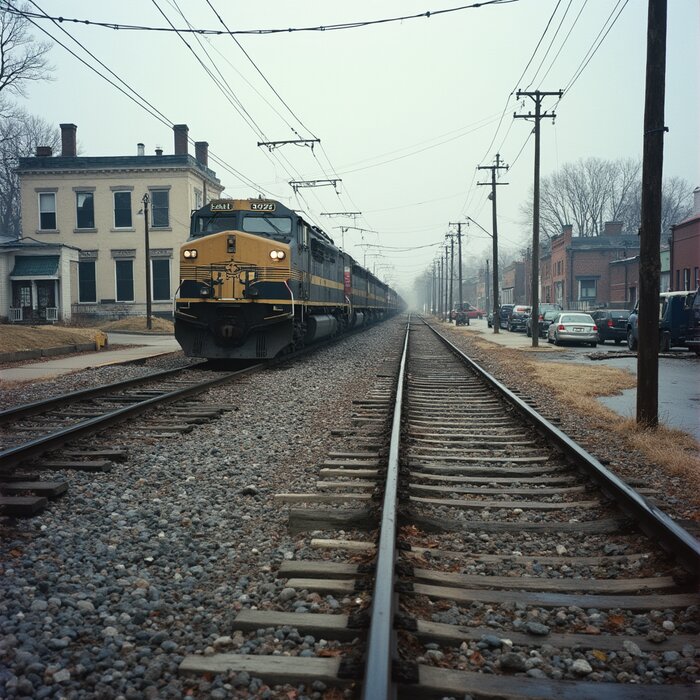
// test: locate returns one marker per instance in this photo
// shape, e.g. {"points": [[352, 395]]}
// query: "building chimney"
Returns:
{"points": [[201, 150], [696, 200], [140, 149], [159, 150], [612, 228], [567, 230], [44, 152], [180, 131], [68, 141]]}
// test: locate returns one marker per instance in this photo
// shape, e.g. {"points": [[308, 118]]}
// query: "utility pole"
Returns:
{"points": [[494, 233], [488, 292], [447, 265], [537, 96], [452, 271], [459, 262], [649, 256], [439, 288], [433, 296], [145, 199]]}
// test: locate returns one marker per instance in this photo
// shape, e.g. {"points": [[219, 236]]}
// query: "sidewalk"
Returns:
{"points": [[145, 346]]}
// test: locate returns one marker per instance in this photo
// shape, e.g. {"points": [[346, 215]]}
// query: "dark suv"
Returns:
{"points": [[612, 324], [504, 314], [518, 317], [675, 320]]}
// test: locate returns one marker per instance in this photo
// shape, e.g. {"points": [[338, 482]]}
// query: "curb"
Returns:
{"points": [[21, 355]]}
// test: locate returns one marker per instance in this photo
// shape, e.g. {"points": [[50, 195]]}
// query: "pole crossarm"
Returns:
{"points": [[271, 145], [341, 213], [298, 184]]}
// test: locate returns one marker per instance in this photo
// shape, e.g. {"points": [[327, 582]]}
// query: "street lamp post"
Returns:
{"points": [[145, 201]]}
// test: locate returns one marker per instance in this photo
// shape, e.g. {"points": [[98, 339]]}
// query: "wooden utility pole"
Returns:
{"points": [[439, 287], [537, 96], [452, 272], [459, 261], [649, 255], [145, 199], [494, 234], [447, 286], [488, 293]]}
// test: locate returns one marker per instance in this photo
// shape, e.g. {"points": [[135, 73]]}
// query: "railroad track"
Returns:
{"points": [[32, 431], [485, 554]]}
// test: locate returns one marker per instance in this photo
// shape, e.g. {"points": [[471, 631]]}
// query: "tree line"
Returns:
{"points": [[591, 191]]}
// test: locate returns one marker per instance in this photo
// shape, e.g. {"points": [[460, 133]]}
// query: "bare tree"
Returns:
{"points": [[22, 58], [20, 134], [593, 190]]}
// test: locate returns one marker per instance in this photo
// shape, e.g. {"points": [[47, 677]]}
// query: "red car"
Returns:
{"points": [[472, 311]]}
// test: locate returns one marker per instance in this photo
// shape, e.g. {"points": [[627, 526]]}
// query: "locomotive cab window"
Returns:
{"points": [[278, 227], [205, 225]]}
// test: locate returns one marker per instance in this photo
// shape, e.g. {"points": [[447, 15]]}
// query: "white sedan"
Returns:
{"points": [[573, 327]]}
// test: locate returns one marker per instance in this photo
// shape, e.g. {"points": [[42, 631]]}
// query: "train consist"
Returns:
{"points": [[257, 280]]}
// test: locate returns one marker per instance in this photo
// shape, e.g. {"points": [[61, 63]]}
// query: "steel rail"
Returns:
{"points": [[653, 521], [12, 457], [381, 642], [42, 405]]}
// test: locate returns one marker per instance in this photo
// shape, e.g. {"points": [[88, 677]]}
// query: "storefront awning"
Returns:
{"points": [[35, 266]]}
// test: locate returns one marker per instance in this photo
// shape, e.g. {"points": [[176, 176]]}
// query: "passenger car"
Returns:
{"points": [[675, 320], [504, 314], [518, 317], [542, 308], [572, 327], [545, 319], [693, 341], [612, 324]]}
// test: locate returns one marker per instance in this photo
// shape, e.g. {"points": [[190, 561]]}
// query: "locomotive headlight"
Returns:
{"points": [[277, 254], [189, 253]]}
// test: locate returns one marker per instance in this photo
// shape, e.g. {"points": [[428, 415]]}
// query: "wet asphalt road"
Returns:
{"points": [[679, 382]]}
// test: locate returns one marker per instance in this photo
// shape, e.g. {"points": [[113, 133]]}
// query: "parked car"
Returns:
{"points": [[518, 317], [675, 320], [572, 327], [693, 340], [545, 319], [612, 324], [543, 308], [504, 314]]}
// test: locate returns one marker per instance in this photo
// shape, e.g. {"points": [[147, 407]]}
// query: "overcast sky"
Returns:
{"points": [[405, 111]]}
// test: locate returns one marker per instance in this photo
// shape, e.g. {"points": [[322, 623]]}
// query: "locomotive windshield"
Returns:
{"points": [[270, 225], [205, 225]]}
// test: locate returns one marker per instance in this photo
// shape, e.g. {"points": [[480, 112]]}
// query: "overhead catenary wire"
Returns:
{"points": [[135, 96]]}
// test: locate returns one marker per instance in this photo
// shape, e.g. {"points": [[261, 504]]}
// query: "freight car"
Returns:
{"points": [[257, 280]]}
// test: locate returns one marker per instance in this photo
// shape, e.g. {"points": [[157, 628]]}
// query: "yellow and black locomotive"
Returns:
{"points": [[256, 280]]}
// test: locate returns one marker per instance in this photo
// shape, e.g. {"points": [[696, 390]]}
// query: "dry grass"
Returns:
{"points": [[138, 324], [16, 338]]}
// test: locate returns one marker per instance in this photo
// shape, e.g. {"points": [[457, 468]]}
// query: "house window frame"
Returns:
{"points": [[117, 262], [587, 280], [120, 191], [153, 278], [92, 262], [84, 191], [55, 211], [152, 192]]}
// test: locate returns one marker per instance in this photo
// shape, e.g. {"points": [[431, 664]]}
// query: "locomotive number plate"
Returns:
{"points": [[221, 206], [262, 206]]}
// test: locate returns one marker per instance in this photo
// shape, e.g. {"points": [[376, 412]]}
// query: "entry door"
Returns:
{"points": [[45, 296], [22, 298]]}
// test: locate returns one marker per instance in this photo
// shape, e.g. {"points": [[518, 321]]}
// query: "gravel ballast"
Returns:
{"points": [[105, 593]]}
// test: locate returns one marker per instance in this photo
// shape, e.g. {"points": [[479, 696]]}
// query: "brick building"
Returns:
{"points": [[514, 288], [685, 250], [579, 271]]}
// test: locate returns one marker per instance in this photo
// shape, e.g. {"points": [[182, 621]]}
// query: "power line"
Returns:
{"points": [[136, 97], [288, 30]]}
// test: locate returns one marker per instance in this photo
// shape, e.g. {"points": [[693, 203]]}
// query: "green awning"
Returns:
{"points": [[35, 266]]}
